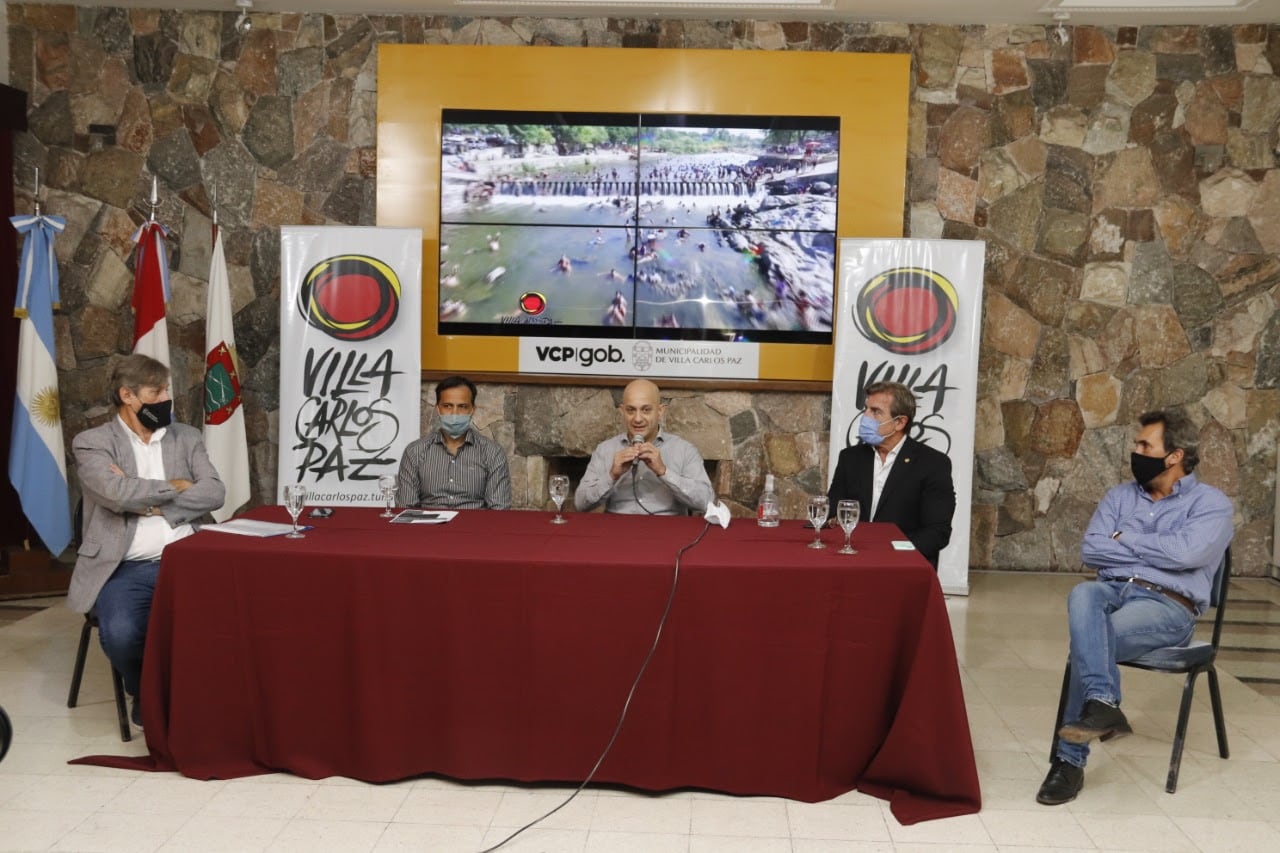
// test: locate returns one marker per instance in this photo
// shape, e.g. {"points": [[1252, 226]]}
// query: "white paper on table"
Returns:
{"points": [[424, 516], [902, 545], [249, 527]]}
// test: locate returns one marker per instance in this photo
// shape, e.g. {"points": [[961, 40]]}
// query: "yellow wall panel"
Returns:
{"points": [[868, 92]]}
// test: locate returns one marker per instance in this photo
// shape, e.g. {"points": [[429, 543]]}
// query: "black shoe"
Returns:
{"points": [[1061, 785], [1097, 720], [135, 715]]}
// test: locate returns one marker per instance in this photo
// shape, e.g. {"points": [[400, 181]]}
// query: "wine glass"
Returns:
{"points": [[818, 509], [847, 512], [558, 487], [294, 498], [387, 483]]}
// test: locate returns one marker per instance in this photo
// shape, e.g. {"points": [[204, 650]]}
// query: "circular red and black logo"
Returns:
{"points": [[533, 303], [907, 310], [350, 297]]}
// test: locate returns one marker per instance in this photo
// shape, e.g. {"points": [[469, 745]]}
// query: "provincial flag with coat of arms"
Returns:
{"points": [[224, 431]]}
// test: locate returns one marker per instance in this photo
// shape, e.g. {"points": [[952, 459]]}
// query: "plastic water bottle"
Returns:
{"points": [[767, 512]]}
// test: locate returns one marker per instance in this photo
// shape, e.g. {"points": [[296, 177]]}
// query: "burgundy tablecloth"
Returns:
{"points": [[499, 646]]}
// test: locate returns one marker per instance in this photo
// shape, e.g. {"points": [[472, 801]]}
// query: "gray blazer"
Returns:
{"points": [[112, 503]]}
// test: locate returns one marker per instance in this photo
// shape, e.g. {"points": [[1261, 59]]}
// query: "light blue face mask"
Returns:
{"points": [[455, 426], [869, 430]]}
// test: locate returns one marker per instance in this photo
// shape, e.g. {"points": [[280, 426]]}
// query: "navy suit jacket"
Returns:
{"points": [[918, 496]]}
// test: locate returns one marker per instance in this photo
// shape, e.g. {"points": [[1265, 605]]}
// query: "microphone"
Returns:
{"points": [[636, 441]]}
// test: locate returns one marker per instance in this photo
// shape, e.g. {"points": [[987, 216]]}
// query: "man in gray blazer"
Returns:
{"points": [[144, 481]]}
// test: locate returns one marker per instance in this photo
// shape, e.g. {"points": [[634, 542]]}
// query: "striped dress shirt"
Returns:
{"points": [[476, 477]]}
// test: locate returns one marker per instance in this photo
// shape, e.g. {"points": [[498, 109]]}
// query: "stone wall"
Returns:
{"points": [[1126, 186]]}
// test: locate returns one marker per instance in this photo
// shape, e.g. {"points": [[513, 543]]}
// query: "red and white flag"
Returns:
{"points": [[151, 292]]}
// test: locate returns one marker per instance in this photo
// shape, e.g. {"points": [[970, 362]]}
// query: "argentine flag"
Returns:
{"points": [[37, 457]]}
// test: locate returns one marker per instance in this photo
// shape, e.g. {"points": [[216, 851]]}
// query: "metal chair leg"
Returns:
{"points": [[77, 674], [1219, 718], [122, 708], [1062, 709], [1180, 734]]}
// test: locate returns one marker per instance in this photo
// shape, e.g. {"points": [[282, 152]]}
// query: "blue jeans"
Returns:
{"points": [[1114, 621], [124, 606]]}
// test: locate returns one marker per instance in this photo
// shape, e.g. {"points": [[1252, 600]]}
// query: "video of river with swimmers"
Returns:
{"points": [[620, 225]]}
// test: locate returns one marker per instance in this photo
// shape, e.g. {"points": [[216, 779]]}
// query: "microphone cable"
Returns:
{"points": [[635, 477], [635, 489], [626, 705]]}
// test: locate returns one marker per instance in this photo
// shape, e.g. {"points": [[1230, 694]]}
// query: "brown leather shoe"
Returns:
{"points": [[1097, 720], [1061, 785]]}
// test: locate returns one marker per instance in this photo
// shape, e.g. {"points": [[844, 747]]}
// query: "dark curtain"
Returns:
{"points": [[13, 119]]}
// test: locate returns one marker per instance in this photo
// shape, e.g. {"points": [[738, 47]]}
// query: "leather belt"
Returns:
{"points": [[1168, 593]]}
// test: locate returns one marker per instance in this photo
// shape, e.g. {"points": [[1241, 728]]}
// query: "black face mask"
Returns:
{"points": [[1146, 468], [153, 416]]}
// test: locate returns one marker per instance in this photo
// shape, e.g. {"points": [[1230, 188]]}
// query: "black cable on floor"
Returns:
{"points": [[671, 597]]}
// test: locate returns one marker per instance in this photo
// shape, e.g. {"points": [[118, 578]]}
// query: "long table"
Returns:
{"points": [[500, 646]]}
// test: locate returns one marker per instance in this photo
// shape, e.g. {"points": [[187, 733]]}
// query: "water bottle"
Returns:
{"points": [[767, 511]]}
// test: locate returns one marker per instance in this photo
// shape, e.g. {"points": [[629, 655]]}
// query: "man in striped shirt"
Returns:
{"points": [[1156, 542], [454, 466]]}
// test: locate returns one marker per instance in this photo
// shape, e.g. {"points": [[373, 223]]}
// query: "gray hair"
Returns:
{"points": [[903, 402], [1179, 434], [135, 372]]}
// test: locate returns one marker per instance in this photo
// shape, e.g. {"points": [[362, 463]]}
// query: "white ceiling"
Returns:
{"points": [[1105, 12]]}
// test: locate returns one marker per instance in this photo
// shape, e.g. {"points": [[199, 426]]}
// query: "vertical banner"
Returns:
{"points": [[911, 312], [350, 366]]}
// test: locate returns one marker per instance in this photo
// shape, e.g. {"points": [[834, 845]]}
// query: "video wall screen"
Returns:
{"points": [[644, 225]]}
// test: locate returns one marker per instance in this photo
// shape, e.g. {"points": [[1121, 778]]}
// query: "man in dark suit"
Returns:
{"points": [[145, 480], [895, 478]]}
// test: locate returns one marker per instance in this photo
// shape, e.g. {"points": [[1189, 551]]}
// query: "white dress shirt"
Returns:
{"points": [[880, 474], [153, 532]]}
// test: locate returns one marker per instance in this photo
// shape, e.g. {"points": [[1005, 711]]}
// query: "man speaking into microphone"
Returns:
{"points": [[645, 470]]}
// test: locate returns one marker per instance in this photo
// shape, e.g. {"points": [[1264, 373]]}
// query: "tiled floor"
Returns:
{"points": [[1010, 635]]}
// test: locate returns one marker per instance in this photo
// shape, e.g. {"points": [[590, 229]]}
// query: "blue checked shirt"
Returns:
{"points": [[1176, 542]]}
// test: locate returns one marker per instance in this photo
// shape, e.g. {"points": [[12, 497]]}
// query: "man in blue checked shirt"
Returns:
{"points": [[1156, 542]]}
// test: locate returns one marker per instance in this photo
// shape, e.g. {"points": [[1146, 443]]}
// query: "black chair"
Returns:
{"points": [[1190, 660], [117, 683], [90, 623]]}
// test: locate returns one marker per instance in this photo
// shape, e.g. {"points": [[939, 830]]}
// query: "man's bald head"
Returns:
{"points": [[642, 409]]}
